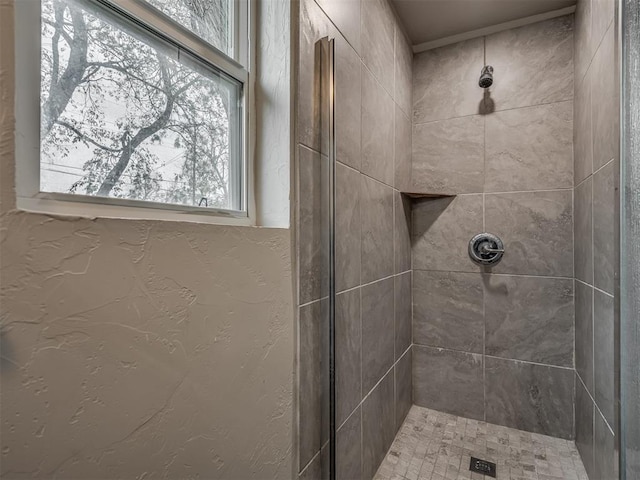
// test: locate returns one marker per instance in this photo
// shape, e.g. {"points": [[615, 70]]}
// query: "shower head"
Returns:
{"points": [[486, 77]]}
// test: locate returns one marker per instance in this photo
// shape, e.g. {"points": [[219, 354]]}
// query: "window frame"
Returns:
{"points": [[159, 26]]}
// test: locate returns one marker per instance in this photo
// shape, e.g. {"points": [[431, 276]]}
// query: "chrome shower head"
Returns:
{"points": [[486, 77]]}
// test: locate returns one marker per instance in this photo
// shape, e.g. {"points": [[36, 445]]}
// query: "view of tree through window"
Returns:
{"points": [[122, 116]]}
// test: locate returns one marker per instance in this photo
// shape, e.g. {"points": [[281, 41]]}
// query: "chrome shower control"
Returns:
{"points": [[486, 249]]}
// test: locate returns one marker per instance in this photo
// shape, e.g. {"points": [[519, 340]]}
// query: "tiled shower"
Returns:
{"points": [[425, 160]]}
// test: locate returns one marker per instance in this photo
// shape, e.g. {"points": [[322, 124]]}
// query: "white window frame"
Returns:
{"points": [[27, 135]]}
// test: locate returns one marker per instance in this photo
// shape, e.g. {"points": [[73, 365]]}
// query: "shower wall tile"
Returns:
{"points": [[603, 13], [583, 45], [402, 151], [377, 327], [378, 425], [449, 381], [448, 310], [403, 387], [530, 397], [584, 427], [348, 353], [402, 293], [376, 201], [402, 245], [584, 333], [349, 448], [603, 354], [582, 135], [604, 102], [348, 241], [445, 81], [348, 104], [448, 156], [345, 15], [536, 228], [378, 135], [404, 72], [441, 230], [545, 76], [316, 470], [530, 148], [604, 449], [378, 37], [529, 318], [583, 231], [604, 235]]}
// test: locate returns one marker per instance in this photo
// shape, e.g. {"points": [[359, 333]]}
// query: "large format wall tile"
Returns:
{"points": [[536, 228], [602, 16], [402, 295], [530, 148], [402, 240], [604, 449], [604, 235], [345, 15], [445, 81], [402, 151], [529, 318], [349, 448], [530, 397], [403, 387], [441, 230], [604, 354], [582, 135], [377, 33], [533, 64], [583, 45], [348, 353], [312, 225], [448, 381], [377, 328], [404, 72], [448, 156], [448, 310], [584, 333], [348, 241], [377, 130], [583, 231], [378, 425], [584, 427], [376, 205], [348, 104]]}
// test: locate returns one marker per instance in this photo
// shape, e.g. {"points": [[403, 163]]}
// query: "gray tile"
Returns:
{"points": [[584, 333], [584, 427], [314, 470], [530, 148], [529, 318], [604, 450], [348, 353], [530, 397], [312, 226], [448, 310], [348, 104], [583, 45], [605, 103], [345, 15], [603, 354], [349, 448], [583, 231], [402, 301], [536, 228], [402, 151], [376, 206], [402, 240], [448, 381], [403, 387], [404, 72], [445, 81], [604, 235], [348, 241], [547, 74], [377, 130], [377, 332], [448, 156], [377, 30], [602, 16], [582, 134], [441, 230], [378, 425]]}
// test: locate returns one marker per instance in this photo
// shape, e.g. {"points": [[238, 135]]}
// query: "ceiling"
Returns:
{"points": [[429, 20]]}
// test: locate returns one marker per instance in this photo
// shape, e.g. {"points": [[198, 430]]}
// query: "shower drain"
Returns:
{"points": [[483, 466]]}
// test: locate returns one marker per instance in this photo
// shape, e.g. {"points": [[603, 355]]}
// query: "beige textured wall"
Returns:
{"points": [[140, 349]]}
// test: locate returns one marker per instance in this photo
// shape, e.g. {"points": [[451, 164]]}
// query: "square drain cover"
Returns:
{"points": [[482, 466]]}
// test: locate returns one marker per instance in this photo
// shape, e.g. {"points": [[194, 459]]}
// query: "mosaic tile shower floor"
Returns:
{"points": [[433, 445]]}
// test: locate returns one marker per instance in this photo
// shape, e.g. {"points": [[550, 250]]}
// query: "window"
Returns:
{"points": [[142, 103]]}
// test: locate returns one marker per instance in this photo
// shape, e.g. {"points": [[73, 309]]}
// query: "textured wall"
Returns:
{"points": [[134, 349], [496, 344], [373, 278], [596, 165]]}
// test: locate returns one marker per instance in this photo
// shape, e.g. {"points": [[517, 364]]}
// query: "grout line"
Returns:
{"points": [[595, 288], [595, 404], [313, 301], [492, 274]]}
